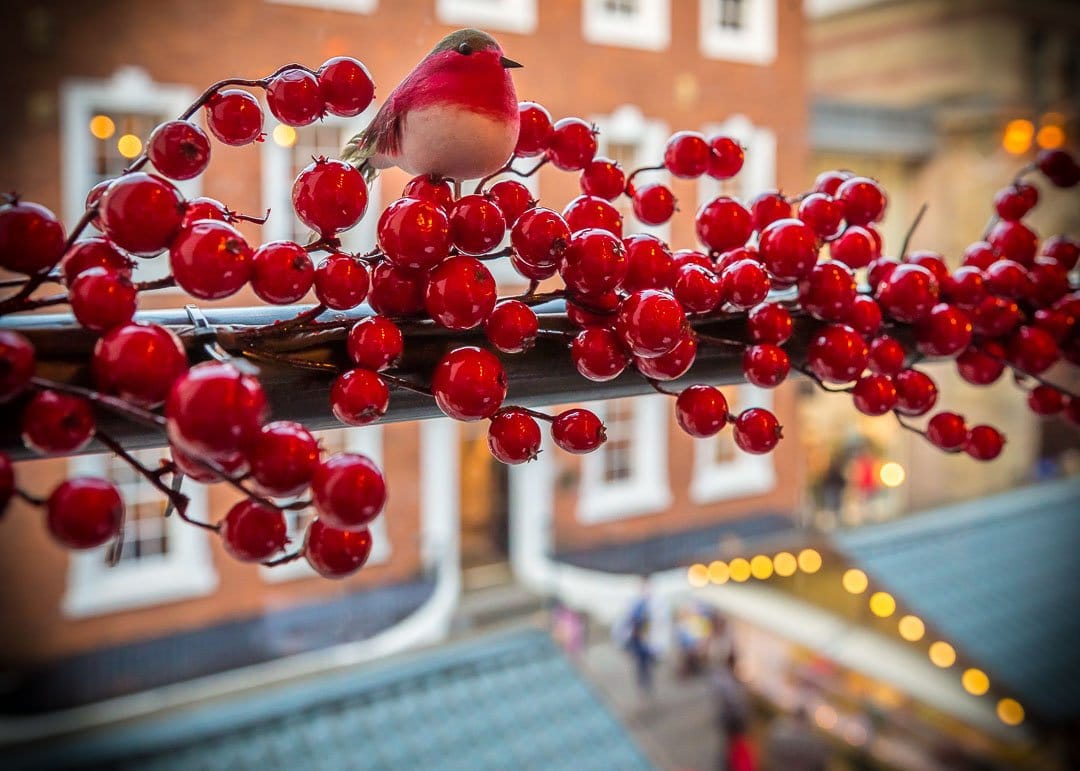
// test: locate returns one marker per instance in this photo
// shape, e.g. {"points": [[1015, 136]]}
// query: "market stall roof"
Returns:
{"points": [[997, 577]]}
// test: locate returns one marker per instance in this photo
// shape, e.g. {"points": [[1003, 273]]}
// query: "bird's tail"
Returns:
{"points": [[358, 152]]}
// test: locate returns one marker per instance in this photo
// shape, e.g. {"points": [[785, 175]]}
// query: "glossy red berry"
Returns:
{"points": [[769, 323], [723, 224], [375, 343], [476, 224], [765, 365], [828, 182], [345, 86], [1014, 241], [234, 117], [1046, 400], [603, 178], [512, 327], [767, 208], [138, 363], [1063, 250], [539, 237], [996, 316], [1032, 349], [1059, 166], [946, 331], [414, 234], [916, 393], [965, 287], [979, 255], [281, 272], [828, 291], [54, 422], [588, 211], [514, 436], [252, 531], [789, 249], [469, 383], [823, 214], [349, 490], [214, 410], [571, 145], [336, 553], [984, 443], [855, 247], [341, 282], [1007, 278], [535, 131], [205, 208], [653, 203], [179, 149], [329, 196], [460, 293], [698, 289], [1013, 202], [210, 260], [16, 364], [83, 513], [650, 322], [651, 264], [757, 431], [283, 456], [947, 431], [93, 253], [359, 397], [837, 354], [701, 410], [31, 238], [101, 299], [512, 198], [874, 394], [598, 354], [434, 190], [863, 315], [397, 291], [687, 154], [725, 157], [745, 284], [294, 97], [671, 365], [206, 470], [1048, 281], [886, 355], [594, 262], [863, 199], [908, 293], [578, 431], [880, 269], [141, 213], [981, 367]]}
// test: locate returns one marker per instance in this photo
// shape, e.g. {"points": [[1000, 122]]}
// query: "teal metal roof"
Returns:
{"points": [[998, 579], [511, 701]]}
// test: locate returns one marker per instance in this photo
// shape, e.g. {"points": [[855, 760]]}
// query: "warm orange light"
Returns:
{"points": [[975, 682], [740, 570], [785, 564], [1018, 136], [719, 572], [284, 136], [892, 474], [102, 127], [129, 145], [761, 567], [854, 581], [882, 604], [825, 716], [1050, 137], [942, 654], [1010, 712], [697, 575], [912, 628], [809, 561]]}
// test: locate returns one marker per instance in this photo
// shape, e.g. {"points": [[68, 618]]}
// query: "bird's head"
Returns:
{"points": [[469, 48]]}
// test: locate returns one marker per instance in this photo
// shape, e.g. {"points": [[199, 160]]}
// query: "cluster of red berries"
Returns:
{"points": [[633, 301]]}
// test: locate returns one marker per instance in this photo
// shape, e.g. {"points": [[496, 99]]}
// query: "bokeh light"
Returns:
{"points": [[809, 561], [854, 581], [697, 575], [719, 572], [911, 628], [1018, 136], [102, 127], [892, 474], [129, 145], [761, 567], [785, 564], [825, 716], [1050, 137], [1010, 712], [740, 570], [284, 136], [882, 604], [975, 681], [942, 654]]}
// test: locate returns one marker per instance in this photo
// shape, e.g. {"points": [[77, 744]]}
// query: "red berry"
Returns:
{"points": [[359, 397], [823, 214], [855, 247], [469, 383], [31, 238], [598, 354], [294, 97], [345, 86], [414, 234], [83, 513], [1063, 250], [234, 117], [252, 531], [512, 327], [334, 553], [138, 363], [539, 237], [587, 211], [54, 422], [863, 315], [932, 261], [1013, 202], [535, 131], [375, 343], [650, 322], [1059, 167], [886, 356], [757, 431], [723, 224], [594, 262], [946, 331], [1057, 322], [979, 255], [281, 272], [964, 287], [571, 145], [837, 354], [767, 208], [1048, 281], [341, 282], [908, 293], [725, 157], [880, 269], [603, 178], [1014, 241], [828, 291], [93, 253], [512, 198], [93, 197], [214, 410], [653, 203], [7, 482], [16, 364], [863, 199], [179, 149], [789, 249], [981, 367], [434, 190], [874, 394], [1046, 400], [283, 456], [349, 491], [765, 365], [687, 154], [650, 263], [101, 299], [694, 257], [397, 291], [671, 365], [996, 316], [745, 284], [1007, 278], [578, 431], [1032, 349], [329, 196], [202, 469], [476, 224], [947, 430], [514, 436], [769, 323], [701, 410], [460, 293], [141, 213], [204, 208], [916, 393], [828, 182], [698, 289], [210, 260], [984, 443]]}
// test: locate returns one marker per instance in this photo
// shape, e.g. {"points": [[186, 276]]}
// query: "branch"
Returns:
{"points": [[911, 230]]}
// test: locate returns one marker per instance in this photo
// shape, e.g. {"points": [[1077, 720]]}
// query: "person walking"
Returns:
{"points": [[732, 704]]}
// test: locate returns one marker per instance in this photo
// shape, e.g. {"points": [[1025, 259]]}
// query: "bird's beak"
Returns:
{"points": [[509, 64]]}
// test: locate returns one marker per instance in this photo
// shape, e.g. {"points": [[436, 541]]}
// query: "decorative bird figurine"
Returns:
{"points": [[454, 116]]}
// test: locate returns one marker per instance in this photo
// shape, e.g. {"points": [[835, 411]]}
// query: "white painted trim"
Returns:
{"points": [[505, 15], [754, 43], [646, 490], [758, 173], [648, 28], [349, 6], [743, 476], [186, 570], [627, 125]]}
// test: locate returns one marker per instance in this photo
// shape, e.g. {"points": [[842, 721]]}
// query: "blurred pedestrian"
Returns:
{"points": [[636, 633], [794, 746], [732, 704]]}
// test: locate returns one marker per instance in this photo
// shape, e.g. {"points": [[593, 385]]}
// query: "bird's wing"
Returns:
{"points": [[381, 137]]}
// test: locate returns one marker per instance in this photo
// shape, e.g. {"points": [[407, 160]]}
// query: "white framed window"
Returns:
{"points": [[739, 30], [506, 15], [627, 476], [721, 470], [286, 152], [632, 23], [349, 6], [367, 440], [758, 173], [634, 142], [162, 560], [104, 125]]}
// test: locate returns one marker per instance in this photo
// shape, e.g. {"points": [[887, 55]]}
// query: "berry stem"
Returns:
{"points": [[629, 189], [250, 218], [279, 328], [537, 414], [530, 298], [506, 167], [110, 402], [316, 366], [283, 560], [911, 230], [408, 385], [720, 341], [656, 386], [821, 383], [158, 283], [33, 500]]}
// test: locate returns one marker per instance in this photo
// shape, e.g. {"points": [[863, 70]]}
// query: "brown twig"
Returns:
{"points": [[911, 230], [281, 327], [119, 406]]}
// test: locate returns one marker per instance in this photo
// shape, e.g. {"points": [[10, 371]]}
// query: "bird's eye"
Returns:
{"points": [[465, 49]]}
